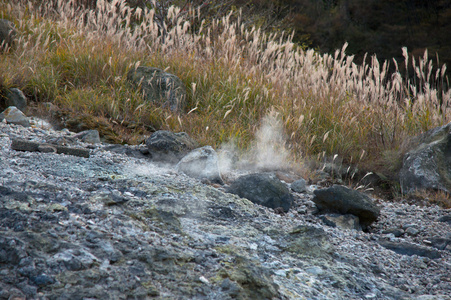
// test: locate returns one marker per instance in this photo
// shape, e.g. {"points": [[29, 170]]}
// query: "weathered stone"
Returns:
{"points": [[16, 97], [170, 147], [405, 248], [13, 115], [89, 136], [342, 221], [397, 232], [299, 186], [201, 163], [340, 199], [7, 34], [263, 189], [24, 145], [310, 241], [159, 86], [428, 165]]}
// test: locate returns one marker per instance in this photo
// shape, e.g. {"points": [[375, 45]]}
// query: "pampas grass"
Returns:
{"points": [[78, 58]]}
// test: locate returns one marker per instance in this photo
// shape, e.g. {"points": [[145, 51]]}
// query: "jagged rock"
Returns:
{"points": [[263, 189], [7, 34], [299, 186], [159, 86], [340, 199], [405, 248], [428, 165], [16, 97], [201, 163], [170, 147], [88, 136], [13, 115]]}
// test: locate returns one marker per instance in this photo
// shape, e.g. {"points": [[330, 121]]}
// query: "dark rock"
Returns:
{"points": [[409, 249], [159, 86], [16, 97], [170, 147], [446, 219], [299, 186], [428, 165], [201, 163], [340, 199], [440, 243], [263, 189], [42, 280], [7, 34], [12, 115]]}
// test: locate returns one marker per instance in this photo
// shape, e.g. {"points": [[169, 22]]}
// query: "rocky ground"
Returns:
{"points": [[114, 226]]}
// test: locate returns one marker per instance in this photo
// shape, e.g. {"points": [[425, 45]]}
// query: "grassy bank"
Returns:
{"points": [[327, 105]]}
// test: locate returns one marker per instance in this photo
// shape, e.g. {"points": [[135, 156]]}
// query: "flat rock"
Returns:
{"points": [[405, 248], [340, 199]]}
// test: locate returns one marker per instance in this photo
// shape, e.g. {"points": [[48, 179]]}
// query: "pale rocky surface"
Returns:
{"points": [[113, 226]]}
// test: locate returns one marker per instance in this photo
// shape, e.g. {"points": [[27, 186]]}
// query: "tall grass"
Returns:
{"points": [[78, 59]]}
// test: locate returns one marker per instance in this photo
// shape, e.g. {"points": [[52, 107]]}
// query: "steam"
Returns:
{"points": [[268, 152]]}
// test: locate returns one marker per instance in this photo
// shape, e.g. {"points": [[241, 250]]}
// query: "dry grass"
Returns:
{"points": [[78, 59]]}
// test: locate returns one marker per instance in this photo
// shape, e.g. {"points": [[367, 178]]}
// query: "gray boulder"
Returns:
{"points": [[201, 163], [342, 200], [427, 166], [7, 34], [166, 146], [264, 189], [13, 115], [16, 97], [299, 186], [159, 86], [88, 136]]}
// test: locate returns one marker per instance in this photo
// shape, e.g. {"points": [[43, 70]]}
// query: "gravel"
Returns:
{"points": [[113, 226]]}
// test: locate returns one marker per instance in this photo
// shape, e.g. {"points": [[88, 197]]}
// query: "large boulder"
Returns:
{"points": [[166, 146], [201, 163], [342, 200], [16, 97], [427, 166], [13, 115], [159, 86], [7, 34], [264, 189]]}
